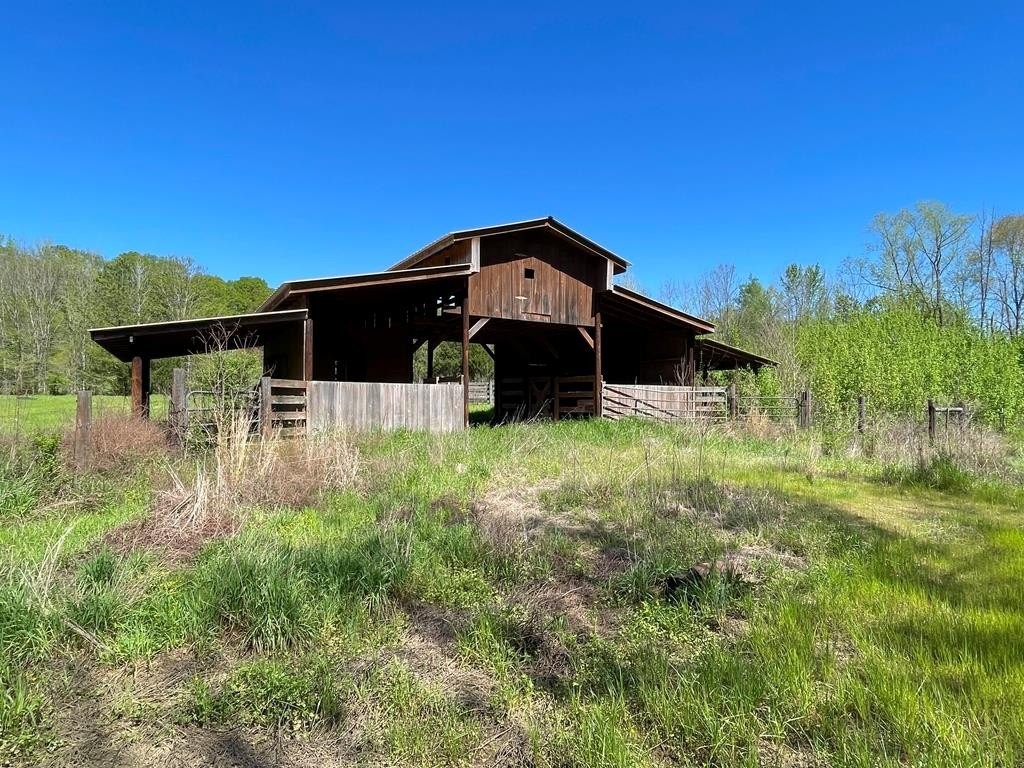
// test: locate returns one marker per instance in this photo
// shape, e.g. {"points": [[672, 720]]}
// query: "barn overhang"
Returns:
{"points": [[714, 355], [177, 338], [634, 308], [379, 285]]}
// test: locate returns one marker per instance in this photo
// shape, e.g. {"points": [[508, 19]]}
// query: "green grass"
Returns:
{"points": [[32, 414], [519, 595]]}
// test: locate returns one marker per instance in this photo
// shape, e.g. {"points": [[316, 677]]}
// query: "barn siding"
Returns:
{"points": [[560, 291]]}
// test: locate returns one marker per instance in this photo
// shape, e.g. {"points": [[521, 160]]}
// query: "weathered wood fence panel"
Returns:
{"points": [[481, 392], [372, 405], [665, 403], [284, 407]]}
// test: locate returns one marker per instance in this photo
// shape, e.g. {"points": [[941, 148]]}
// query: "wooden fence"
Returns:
{"points": [[284, 407], [664, 403], [362, 405], [481, 392]]}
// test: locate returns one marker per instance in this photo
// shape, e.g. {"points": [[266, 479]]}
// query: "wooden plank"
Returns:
{"points": [[307, 349], [586, 335], [478, 326], [266, 387], [288, 399], [288, 383]]}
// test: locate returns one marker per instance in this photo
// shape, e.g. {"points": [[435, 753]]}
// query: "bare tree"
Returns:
{"points": [[1008, 272], [40, 298], [939, 240]]}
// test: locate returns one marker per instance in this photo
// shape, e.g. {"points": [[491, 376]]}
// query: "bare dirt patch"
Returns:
{"points": [[128, 718], [175, 544], [429, 650]]}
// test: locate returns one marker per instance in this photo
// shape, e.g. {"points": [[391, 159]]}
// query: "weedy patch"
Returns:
{"points": [[571, 594]]}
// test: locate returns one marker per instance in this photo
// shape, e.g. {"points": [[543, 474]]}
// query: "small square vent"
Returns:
{"points": [[528, 273]]}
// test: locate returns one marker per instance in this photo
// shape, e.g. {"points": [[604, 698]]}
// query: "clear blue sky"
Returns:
{"points": [[294, 139]]}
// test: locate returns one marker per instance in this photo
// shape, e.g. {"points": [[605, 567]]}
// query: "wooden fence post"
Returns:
{"points": [[83, 429], [732, 402], [931, 420], [803, 409], [178, 414], [860, 414], [266, 408]]}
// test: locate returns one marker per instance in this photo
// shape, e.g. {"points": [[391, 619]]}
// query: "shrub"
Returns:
{"points": [[119, 443]]}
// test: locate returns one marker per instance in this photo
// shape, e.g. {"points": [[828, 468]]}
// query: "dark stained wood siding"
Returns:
{"points": [[283, 352], [561, 289], [636, 354], [456, 253]]}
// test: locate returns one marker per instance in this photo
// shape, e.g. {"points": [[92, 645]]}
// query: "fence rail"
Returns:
{"points": [[664, 403], [481, 392]]}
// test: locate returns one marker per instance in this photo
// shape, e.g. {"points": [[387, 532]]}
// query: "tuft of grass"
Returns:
{"points": [[273, 692], [414, 723]]}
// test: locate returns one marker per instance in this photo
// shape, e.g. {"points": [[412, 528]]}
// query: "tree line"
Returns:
{"points": [[933, 309], [51, 295]]}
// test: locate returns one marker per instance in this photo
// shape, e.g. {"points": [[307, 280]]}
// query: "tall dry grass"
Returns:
{"points": [[211, 497]]}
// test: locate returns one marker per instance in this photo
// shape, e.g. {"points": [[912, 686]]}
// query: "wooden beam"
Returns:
{"points": [[465, 358], [140, 387], [478, 326], [266, 408], [474, 254], [586, 335], [598, 380], [489, 349], [307, 349], [550, 348]]}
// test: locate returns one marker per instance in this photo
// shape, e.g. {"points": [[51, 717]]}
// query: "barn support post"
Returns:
{"points": [[733, 403], [431, 346], [307, 349], [465, 359], [598, 378], [140, 387], [266, 408], [178, 413], [83, 429]]}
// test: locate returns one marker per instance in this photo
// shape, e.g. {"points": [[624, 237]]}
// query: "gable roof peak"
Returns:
{"points": [[547, 222]]}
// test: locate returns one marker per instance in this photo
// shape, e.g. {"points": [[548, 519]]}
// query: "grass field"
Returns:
{"points": [[32, 414], [588, 594]]}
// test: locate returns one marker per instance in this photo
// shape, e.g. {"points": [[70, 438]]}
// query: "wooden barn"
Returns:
{"points": [[540, 297]]}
